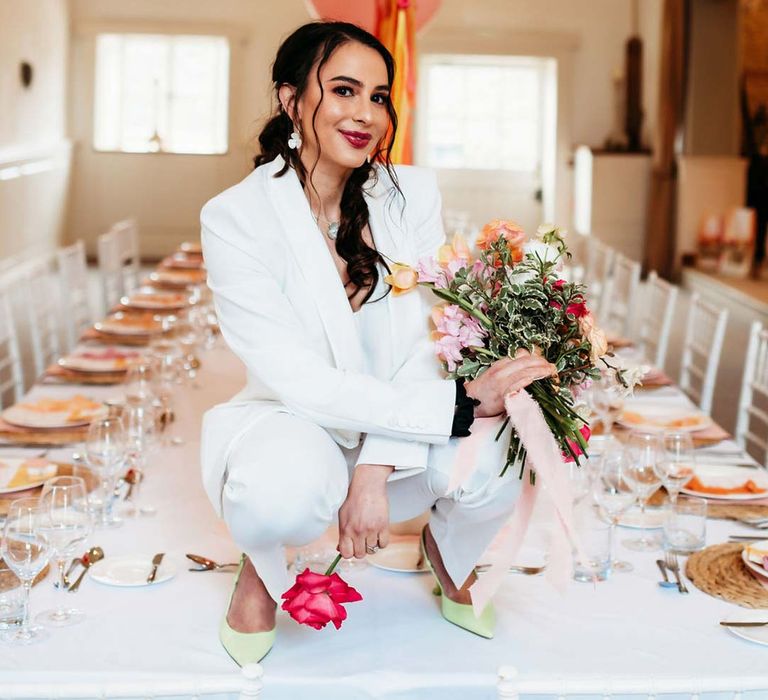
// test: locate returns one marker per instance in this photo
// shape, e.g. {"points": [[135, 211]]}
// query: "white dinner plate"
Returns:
{"points": [[728, 476], [758, 635], [72, 414], [154, 299], [96, 361], [401, 556], [131, 571], [19, 474], [752, 566], [121, 324], [652, 520], [654, 418]]}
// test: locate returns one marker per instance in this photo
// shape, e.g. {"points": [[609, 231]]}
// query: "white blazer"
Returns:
{"points": [[284, 312]]}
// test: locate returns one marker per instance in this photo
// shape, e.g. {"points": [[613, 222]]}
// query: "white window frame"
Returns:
{"points": [[166, 32], [461, 59]]}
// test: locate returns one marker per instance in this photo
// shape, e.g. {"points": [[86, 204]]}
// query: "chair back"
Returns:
{"points": [[41, 292], [704, 333], [619, 299], [656, 321], [752, 416], [73, 285], [596, 272], [11, 373], [118, 252]]}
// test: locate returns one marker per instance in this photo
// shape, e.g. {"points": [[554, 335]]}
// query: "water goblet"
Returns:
{"points": [[607, 400], [139, 422], [25, 550], [106, 451], [65, 523], [138, 381], [614, 495], [678, 462], [643, 455]]}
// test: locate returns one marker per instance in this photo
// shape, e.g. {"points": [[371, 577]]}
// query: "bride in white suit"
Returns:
{"points": [[346, 413]]}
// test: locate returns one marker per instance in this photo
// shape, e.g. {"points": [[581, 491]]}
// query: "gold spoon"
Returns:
{"points": [[94, 554]]}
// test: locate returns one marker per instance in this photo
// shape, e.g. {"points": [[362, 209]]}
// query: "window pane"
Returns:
{"points": [[482, 112], [161, 92]]}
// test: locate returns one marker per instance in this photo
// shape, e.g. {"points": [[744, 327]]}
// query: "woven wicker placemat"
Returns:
{"points": [[58, 375], [725, 511], [9, 580], [719, 571]]}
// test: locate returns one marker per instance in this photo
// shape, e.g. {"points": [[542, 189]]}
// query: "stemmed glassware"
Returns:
{"points": [[643, 455], [106, 449], [607, 400], [677, 464], [65, 523], [25, 551], [166, 363], [614, 494], [139, 421], [138, 381]]}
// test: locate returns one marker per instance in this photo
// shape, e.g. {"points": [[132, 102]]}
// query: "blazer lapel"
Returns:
{"points": [[316, 265], [391, 237]]}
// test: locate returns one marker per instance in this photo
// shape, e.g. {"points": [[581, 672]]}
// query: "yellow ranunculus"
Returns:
{"points": [[402, 278]]}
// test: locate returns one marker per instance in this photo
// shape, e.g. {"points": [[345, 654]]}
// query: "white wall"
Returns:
{"points": [[165, 192], [34, 153]]}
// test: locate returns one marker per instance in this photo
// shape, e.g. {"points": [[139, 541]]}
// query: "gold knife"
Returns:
{"points": [[725, 623], [156, 561]]}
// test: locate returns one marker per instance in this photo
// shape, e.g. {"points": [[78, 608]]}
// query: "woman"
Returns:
{"points": [[345, 413]]}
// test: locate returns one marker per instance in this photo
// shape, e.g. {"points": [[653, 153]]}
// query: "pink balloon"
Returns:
{"points": [[364, 12]]}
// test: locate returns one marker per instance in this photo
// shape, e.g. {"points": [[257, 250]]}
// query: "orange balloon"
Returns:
{"points": [[365, 13]]}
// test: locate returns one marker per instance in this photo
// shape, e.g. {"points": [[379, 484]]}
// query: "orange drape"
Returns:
{"points": [[397, 31]]}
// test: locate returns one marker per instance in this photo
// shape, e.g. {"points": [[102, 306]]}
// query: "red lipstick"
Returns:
{"points": [[357, 139]]}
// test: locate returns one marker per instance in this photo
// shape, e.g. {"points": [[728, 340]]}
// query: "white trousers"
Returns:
{"points": [[287, 479]]}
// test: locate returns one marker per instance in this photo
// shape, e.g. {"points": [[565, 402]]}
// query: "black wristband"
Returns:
{"points": [[464, 412]]}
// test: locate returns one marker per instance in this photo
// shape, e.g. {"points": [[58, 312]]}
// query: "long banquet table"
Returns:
{"points": [[394, 643]]}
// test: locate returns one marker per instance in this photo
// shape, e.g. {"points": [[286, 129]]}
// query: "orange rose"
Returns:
{"points": [[456, 250], [402, 278], [513, 234]]}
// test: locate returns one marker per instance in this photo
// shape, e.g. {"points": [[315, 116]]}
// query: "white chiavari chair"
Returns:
{"points": [[118, 253], [577, 246], [659, 300], [597, 271], [619, 298], [73, 284], [233, 686], [704, 334], [752, 417], [40, 289], [11, 374], [511, 687]]}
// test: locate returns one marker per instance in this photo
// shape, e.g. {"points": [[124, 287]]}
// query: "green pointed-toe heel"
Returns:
{"points": [[457, 613], [244, 647]]}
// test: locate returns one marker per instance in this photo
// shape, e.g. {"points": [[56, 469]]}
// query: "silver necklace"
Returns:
{"points": [[333, 226]]}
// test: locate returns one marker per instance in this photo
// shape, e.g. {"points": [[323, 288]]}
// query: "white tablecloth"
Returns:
{"points": [[394, 643]]}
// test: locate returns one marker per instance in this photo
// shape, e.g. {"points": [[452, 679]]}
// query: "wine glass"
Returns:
{"points": [[138, 381], [643, 456], [607, 400], [580, 478], [25, 551], [65, 523], [139, 422], [678, 462], [105, 451], [166, 360], [613, 493]]}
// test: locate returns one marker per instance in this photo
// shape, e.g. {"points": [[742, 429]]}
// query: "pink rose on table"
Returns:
{"points": [[316, 599]]}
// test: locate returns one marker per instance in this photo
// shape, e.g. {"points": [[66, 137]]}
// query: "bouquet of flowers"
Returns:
{"points": [[511, 297]]}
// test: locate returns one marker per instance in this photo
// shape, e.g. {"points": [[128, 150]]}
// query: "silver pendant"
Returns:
{"points": [[333, 230]]}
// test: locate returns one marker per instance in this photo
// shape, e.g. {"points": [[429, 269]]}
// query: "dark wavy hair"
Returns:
{"points": [[300, 57]]}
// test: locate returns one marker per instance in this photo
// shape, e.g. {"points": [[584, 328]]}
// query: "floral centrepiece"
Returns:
{"points": [[316, 599], [511, 298]]}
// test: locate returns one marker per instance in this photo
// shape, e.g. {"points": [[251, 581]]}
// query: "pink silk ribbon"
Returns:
{"points": [[543, 452]]}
